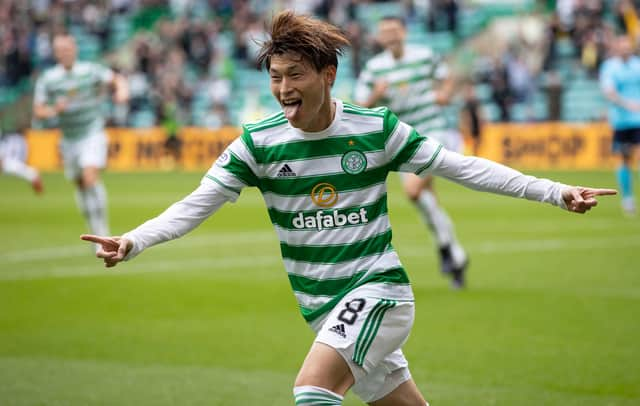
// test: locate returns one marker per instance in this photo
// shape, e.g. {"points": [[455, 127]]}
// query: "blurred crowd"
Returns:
{"points": [[182, 57], [179, 53], [543, 56]]}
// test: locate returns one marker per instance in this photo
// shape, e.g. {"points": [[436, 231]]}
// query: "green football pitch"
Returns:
{"points": [[551, 315]]}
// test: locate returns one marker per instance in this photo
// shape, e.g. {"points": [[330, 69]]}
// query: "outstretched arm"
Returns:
{"points": [[485, 175], [177, 220]]}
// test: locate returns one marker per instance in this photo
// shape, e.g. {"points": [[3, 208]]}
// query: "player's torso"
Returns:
{"points": [[411, 85], [326, 197], [83, 94], [316, 189], [627, 78]]}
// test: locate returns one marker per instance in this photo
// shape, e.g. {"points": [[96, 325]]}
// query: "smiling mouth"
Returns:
{"points": [[291, 107]]}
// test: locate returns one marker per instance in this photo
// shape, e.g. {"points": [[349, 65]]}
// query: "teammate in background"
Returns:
{"points": [[73, 92], [12, 161], [620, 82], [321, 166], [413, 82]]}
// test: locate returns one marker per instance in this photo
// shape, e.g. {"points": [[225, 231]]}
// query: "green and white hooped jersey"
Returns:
{"points": [[83, 88], [327, 197], [412, 81]]}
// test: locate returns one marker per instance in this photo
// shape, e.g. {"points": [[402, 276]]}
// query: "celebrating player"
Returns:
{"points": [[321, 165]]}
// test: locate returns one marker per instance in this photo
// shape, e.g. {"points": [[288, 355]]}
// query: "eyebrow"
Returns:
{"points": [[288, 68]]}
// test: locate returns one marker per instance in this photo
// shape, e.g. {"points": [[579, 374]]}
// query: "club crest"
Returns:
{"points": [[354, 162]]}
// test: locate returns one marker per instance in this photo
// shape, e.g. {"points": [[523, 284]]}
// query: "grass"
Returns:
{"points": [[550, 316]]}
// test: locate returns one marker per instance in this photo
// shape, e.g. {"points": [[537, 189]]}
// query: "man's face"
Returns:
{"points": [[624, 47], [391, 35], [64, 49], [303, 93]]}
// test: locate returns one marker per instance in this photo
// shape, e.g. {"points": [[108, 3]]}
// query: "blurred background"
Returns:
{"points": [[550, 316], [190, 63]]}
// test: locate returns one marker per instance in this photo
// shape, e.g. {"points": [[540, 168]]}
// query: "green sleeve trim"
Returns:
{"points": [[433, 158], [236, 191]]}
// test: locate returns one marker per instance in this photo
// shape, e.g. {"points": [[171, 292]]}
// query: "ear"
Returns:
{"points": [[330, 74]]}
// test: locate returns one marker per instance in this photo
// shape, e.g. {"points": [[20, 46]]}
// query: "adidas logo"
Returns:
{"points": [[286, 171], [339, 330]]}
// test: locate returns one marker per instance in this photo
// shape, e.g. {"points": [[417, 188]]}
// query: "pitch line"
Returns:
{"points": [[260, 261]]}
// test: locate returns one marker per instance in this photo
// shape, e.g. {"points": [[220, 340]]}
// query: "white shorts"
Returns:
{"points": [[90, 151], [451, 139], [13, 146], [368, 329]]}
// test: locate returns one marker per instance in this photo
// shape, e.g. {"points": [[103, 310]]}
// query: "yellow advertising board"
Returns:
{"points": [[530, 146], [551, 145], [139, 149]]}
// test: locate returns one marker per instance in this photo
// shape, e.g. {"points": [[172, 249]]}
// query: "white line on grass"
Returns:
{"points": [[215, 264], [82, 248], [260, 261], [490, 247]]}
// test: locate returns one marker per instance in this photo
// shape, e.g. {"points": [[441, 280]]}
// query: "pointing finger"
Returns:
{"points": [[604, 192], [93, 238]]}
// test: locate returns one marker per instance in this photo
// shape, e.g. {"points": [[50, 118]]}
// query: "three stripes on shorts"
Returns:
{"points": [[370, 329], [316, 396]]}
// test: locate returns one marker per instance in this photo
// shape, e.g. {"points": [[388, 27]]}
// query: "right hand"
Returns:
{"points": [[61, 105], [112, 249], [380, 88], [580, 199]]}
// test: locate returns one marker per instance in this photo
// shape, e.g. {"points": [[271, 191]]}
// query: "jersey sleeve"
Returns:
{"points": [[488, 176], [364, 86], [406, 150], [180, 218], [104, 74], [440, 69], [235, 168], [40, 95]]}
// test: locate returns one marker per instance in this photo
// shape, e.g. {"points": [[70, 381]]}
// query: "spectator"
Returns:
{"points": [[471, 117], [500, 89], [218, 117], [443, 10], [553, 87]]}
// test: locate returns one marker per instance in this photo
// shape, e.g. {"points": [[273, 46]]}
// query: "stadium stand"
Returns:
{"points": [[201, 52]]}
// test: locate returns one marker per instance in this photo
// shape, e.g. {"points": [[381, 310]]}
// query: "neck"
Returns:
{"points": [[398, 53], [325, 117]]}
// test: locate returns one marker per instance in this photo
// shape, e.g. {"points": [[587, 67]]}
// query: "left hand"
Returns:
{"points": [[581, 199], [112, 249]]}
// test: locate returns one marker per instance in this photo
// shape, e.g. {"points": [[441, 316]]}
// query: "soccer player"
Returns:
{"points": [[413, 82], [620, 82], [321, 166], [12, 161], [73, 92]]}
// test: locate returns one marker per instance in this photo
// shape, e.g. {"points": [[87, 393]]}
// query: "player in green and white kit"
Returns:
{"points": [[73, 92], [321, 166], [413, 82]]}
